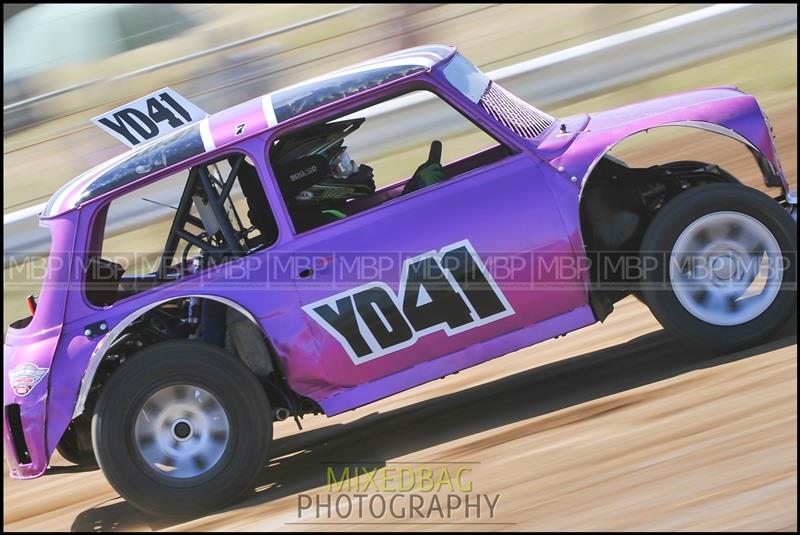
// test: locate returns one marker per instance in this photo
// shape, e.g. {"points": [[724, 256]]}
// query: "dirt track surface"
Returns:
{"points": [[618, 426]]}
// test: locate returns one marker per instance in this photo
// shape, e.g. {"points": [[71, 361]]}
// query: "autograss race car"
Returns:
{"points": [[289, 284]]}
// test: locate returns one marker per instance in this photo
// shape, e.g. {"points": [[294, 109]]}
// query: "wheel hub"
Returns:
{"points": [[181, 431], [725, 268]]}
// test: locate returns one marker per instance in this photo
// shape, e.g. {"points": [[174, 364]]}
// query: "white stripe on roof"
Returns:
{"points": [[205, 134], [78, 183], [269, 110]]}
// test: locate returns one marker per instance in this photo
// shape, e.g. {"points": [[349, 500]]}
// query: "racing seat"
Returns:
{"points": [[258, 212], [102, 281]]}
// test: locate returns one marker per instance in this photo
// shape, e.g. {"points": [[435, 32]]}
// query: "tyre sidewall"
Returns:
{"points": [[73, 446]]}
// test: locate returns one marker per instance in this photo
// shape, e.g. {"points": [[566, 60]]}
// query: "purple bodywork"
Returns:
{"points": [[546, 175]]}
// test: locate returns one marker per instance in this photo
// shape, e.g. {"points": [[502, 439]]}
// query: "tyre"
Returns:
{"points": [[182, 428], [75, 445], [720, 266]]}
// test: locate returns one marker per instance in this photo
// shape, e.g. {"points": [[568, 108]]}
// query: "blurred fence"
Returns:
{"points": [[21, 105], [545, 81]]}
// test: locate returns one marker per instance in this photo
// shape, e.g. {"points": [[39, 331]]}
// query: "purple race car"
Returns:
{"points": [[289, 284]]}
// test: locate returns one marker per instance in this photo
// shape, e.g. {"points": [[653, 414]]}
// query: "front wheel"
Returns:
{"points": [[720, 266], [182, 429]]}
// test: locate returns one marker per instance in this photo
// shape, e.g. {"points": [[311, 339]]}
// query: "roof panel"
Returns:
{"points": [[291, 102], [310, 94], [130, 166], [285, 103]]}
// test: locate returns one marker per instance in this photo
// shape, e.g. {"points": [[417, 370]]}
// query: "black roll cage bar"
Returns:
{"points": [[200, 181]]}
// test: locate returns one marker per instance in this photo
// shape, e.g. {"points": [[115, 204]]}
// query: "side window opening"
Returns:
{"points": [[346, 165], [192, 220]]}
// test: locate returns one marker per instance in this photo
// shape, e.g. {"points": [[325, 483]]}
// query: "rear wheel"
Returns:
{"points": [[183, 428], [720, 266], [75, 445]]}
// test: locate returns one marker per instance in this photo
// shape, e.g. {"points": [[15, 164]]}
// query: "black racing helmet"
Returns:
{"points": [[314, 167], [333, 177]]}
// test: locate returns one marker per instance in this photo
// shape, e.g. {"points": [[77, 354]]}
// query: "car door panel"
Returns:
{"points": [[503, 212]]}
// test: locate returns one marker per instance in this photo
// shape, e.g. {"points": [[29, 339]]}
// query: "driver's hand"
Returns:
{"points": [[429, 174]]}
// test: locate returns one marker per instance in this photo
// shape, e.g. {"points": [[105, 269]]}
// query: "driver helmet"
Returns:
{"points": [[342, 166], [343, 179]]}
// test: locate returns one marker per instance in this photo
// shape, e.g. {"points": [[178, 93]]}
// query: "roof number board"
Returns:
{"points": [[150, 117]]}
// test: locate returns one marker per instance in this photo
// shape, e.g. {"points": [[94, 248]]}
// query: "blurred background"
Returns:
{"points": [[64, 64]]}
